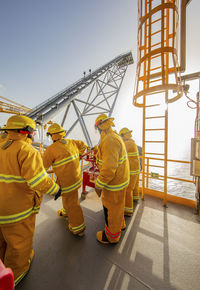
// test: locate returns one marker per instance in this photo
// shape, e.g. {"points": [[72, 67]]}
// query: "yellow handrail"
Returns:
{"points": [[167, 197]]}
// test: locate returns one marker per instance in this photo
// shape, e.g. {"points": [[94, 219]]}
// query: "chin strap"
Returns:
{"points": [[30, 134], [24, 132]]}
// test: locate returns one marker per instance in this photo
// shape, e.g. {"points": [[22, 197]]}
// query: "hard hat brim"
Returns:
{"points": [[101, 122]]}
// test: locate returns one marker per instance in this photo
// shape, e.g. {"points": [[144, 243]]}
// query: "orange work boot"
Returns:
{"points": [[101, 237], [62, 213], [81, 234]]}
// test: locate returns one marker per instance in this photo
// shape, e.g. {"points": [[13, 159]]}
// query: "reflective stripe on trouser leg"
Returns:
{"points": [[19, 278], [19, 242], [2, 246], [129, 196], [136, 187], [74, 211], [114, 202]]}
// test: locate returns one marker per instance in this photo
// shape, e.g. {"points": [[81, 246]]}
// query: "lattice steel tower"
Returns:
{"points": [[93, 94]]}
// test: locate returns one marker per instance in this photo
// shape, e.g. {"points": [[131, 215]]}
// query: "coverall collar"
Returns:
{"points": [[126, 138], [17, 136], [56, 137], [105, 132]]}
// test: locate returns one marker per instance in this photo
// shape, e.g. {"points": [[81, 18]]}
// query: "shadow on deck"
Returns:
{"points": [[160, 249]]}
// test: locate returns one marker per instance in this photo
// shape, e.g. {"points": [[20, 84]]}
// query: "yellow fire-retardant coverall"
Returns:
{"points": [[63, 155], [132, 191], [23, 180], [113, 178]]}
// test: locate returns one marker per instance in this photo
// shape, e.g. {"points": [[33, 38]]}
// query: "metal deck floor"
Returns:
{"points": [[160, 249]]}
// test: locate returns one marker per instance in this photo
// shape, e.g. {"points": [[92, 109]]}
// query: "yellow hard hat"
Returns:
{"points": [[101, 119], [18, 122], [54, 129], [124, 131]]}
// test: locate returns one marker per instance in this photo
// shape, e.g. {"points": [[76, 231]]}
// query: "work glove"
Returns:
{"points": [[98, 190], [58, 194]]}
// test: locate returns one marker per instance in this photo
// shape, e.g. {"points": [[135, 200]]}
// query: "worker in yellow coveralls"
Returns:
{"points": [[23, 180], [64, 157], [113, 179], [134, 162]]}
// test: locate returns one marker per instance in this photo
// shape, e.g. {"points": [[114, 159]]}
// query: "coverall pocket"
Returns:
{"points": [[37, 200]]}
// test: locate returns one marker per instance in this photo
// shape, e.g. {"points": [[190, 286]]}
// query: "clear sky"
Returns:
{"points": [[46, 45]]}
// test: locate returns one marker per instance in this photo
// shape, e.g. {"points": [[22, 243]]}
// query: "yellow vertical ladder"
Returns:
{"points": [[157, 84]]}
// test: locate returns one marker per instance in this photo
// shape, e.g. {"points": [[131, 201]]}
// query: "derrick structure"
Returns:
{"points": [[94, 94]]}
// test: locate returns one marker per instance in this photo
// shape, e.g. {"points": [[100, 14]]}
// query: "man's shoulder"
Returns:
{"points": [[113, 138], [26, 147]]}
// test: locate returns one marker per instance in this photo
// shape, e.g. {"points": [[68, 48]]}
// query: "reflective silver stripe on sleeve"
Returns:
{"points": [[72, 187], [133, 172], [65, 160], [11, 178], [121, 160], [133, 154], [54, 188], [37, 179]]}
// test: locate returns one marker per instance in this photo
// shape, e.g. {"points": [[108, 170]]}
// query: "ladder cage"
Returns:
{"points": [[157, 84], [157, 62]]}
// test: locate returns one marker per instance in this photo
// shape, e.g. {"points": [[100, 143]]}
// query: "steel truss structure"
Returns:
{"points": [[10, 107], [94, 94]]}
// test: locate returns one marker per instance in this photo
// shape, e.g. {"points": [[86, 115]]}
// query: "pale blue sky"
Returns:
{"points": [[46, 45]]}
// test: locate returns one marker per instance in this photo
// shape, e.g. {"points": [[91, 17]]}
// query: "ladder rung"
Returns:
{"points": [[155, 56], [156, 32], [154, 141], [153, 81], [171, 35], [161, 129], [155, 68], [155, 117], [155, 21], [156, 105], [158, 43]]}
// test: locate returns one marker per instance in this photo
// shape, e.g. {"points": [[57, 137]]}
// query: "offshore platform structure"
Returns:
{"points": [[158, 84], [10, 107], [93, 94]]}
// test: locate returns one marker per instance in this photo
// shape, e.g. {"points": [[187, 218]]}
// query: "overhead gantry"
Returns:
{"points": [[93, 94]]}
